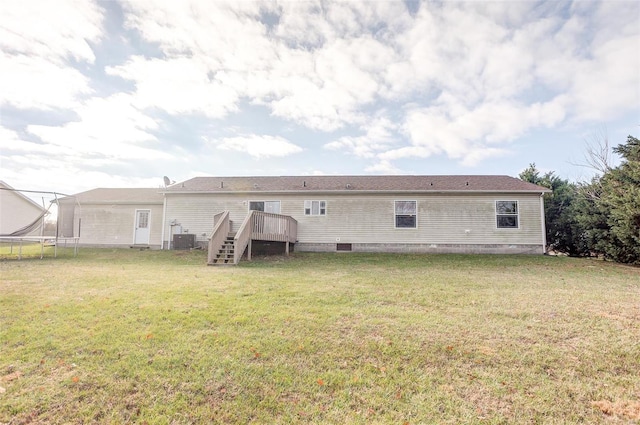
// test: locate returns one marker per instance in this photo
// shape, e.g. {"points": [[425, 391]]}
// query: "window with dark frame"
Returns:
{"points": [[507, 214], [265, 206], [315, 207], [406, 214], [256, 206]]}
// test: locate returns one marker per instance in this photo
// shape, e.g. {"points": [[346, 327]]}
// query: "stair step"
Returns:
{"points": [[226, 252]]}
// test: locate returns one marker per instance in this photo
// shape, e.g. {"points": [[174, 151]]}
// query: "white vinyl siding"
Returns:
{"points": [[315, 207], [112, 225], [369, 218], [16, 212], [195, 212]]}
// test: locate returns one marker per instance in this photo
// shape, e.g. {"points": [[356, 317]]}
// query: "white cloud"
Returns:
{"points": [[110, 127], [471, 135], [322, 65], [215, 54], [9, 139], [35, 83], [345, 79], [609, 84], [322, 88], [56, 30], [383, 167], [228, 33], [38, 40], [258, 146], [12, 144], [379, 135], [50, 167], [488, 65], [464, 81], [177, 86]]}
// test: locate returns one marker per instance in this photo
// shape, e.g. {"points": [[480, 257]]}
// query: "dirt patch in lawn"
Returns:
{"points": [[623, 409]]}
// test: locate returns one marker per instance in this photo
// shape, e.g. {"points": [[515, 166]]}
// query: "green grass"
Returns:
{"points": [[31, 249], [120, 336]]}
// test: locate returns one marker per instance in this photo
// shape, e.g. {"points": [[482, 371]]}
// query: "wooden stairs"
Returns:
{"points": [[225, 255], [227, 247]]}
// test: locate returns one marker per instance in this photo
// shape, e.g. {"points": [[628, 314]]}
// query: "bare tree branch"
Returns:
{"points": [[598, 155]]}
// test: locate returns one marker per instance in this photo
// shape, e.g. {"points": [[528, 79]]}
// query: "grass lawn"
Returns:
{"points": [[120, 336]]}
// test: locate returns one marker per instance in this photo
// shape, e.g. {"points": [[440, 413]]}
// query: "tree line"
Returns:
{"points": [[600, 217]]}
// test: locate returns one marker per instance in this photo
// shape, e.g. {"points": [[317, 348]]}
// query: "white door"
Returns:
{"points": [[142, 227], [272, 207]]}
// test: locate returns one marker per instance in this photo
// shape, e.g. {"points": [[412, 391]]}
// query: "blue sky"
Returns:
{"points": [[121, 93]]}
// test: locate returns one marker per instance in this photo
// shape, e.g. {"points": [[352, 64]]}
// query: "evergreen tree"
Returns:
{"points": [[563, 230], [620, 198]]}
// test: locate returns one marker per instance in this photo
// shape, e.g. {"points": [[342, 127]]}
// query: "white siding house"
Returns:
{"points": [[474, 214], [113, 217], [439, 214], [17, 211]]}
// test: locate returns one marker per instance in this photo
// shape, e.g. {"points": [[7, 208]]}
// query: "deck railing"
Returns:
{"points": [[221, 229], [257, 225], [262, 226], [273, 227]]}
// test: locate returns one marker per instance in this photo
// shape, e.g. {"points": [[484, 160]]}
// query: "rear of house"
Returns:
{"points": [[469, 214], [116, 218]]}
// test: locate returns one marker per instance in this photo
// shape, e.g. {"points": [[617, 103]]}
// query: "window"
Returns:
{"points": [[315, 207], [405, 214], [266, 206], [507, 214], [143, 219]]}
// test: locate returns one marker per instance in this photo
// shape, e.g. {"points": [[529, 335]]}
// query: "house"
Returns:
{"points": [[469, 214], [19, 215], [113, 217], [432, 214]]}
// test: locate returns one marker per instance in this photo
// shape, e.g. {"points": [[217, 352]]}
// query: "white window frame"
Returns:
{"points": [[264, 202], [515, 214], [395, 215], [308, 206]]}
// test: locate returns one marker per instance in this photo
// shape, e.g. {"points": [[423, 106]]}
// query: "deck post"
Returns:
{"points": [[286, 238], [249, 250]]}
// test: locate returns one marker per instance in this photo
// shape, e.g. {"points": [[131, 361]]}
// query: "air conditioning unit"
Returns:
{"points": [[184, 241]]}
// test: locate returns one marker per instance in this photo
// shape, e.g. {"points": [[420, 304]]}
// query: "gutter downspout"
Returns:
{"points": [[164, 217], [544, 225]]}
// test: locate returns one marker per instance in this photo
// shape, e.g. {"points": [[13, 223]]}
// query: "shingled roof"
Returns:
{"points": [[117, 196], [354, 184]]}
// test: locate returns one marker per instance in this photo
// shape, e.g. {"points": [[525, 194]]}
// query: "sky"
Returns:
{"points": [[120, 93]]}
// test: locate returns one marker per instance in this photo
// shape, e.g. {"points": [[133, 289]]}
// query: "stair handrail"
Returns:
{"points": [[221, 229], [292, 231], [241, 239]]}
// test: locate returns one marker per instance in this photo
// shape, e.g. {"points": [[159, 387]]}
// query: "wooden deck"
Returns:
{"points": [[227, 248]]}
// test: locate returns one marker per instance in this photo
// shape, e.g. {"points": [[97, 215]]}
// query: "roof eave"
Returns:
{"points": [[351, 191]]}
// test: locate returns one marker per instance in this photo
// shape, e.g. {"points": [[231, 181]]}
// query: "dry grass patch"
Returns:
{"points": [[622, 409], [118, 336]]}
